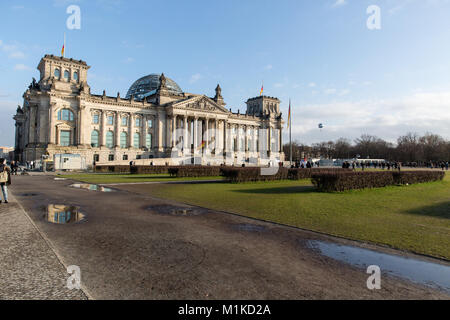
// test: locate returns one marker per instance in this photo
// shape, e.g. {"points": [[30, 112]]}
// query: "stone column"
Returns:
{"points": [[131, 126], [144, 130], [280, 132], [103, 129], [51, 123], [117, 125], [207, 137], [186, 134], [225, 136], [255, 139], [195, 134], [216, 135], [174, 131], [238, 139]]}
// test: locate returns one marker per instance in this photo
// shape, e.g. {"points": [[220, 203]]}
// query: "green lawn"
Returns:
{"points": [[414, 218], [98, 178]]}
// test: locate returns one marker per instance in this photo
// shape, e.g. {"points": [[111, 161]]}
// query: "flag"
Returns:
{"points": [[262, 90], [289, 114], [64, 46]]}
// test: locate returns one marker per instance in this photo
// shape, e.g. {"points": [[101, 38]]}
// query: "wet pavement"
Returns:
{"points": [[29, 268], [423, 272], [91, 187], [134, 246]]}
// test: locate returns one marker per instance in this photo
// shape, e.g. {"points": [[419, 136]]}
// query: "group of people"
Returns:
{"points": [[307, 164], [430, 164], [363, 165]]}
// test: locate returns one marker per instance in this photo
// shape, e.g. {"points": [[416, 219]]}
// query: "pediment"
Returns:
{"points": [[200, 103]]}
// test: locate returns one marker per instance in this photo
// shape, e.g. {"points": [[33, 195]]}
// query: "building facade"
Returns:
{"points": [[156, 120]]}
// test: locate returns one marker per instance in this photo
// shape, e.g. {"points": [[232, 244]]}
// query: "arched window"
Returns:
{"points": [[75, 76], [123, 140], [94, 139], [136, 140], [148, 141], [95, 118], [110, 139], [66, 75], [57, 73], [65, 115]]}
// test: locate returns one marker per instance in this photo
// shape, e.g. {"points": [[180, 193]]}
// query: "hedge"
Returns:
{"points": [[254, 174], [194, 171], [342, 181]]}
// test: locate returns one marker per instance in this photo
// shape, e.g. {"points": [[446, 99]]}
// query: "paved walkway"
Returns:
{"points": [[29, 268]]}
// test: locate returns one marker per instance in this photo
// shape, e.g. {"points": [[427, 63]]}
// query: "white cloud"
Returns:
{"points": [[311, 85], [17, 55], [12, 50], [344, 92], [128, 60], [195, 77], [420, 112], [61, 3], [339, 3], [21, 67], [330, 91], [268, 67]]}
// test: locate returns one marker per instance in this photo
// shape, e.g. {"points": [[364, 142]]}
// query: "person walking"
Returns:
{"points": [[5, 179]]}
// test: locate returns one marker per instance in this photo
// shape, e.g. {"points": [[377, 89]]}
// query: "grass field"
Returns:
{"points": [[414, 218], [128, 178]]}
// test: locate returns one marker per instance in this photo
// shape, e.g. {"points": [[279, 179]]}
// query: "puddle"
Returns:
{"points": [[249, 227], [62, 214], [422, 272], [28, 194], [91, 187], [60, 179], [176, 210]]}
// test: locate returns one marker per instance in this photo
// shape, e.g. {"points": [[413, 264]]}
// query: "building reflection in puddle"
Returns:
{"points": [[62, 214], [91, 187]]}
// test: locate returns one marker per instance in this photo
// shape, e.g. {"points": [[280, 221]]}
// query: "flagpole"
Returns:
{"points": [[64, 52], [290, 132]]}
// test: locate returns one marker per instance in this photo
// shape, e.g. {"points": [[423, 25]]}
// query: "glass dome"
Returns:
{"points": [[146, 86]]}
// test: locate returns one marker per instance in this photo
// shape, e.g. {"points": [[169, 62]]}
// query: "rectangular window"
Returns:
{"points": [[150, 123], [64, 138], [95, 119], [111, 120], [124, 121], [96, 158], [138, 122], [125, 157], [111, 157], [138, 157]]}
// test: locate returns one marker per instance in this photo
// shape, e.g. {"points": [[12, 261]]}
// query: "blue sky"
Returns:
{"points": [[319, 53]]}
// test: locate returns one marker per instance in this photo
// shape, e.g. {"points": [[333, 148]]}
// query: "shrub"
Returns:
{"points": [[348, 180], [411, 177], [252, 174]]}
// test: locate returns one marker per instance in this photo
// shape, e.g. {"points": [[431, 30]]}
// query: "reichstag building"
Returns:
{"points": [[156, 120]]}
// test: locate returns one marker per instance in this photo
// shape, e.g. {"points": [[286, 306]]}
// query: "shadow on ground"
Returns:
{"points": [[440, 210], [280, 190]]}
